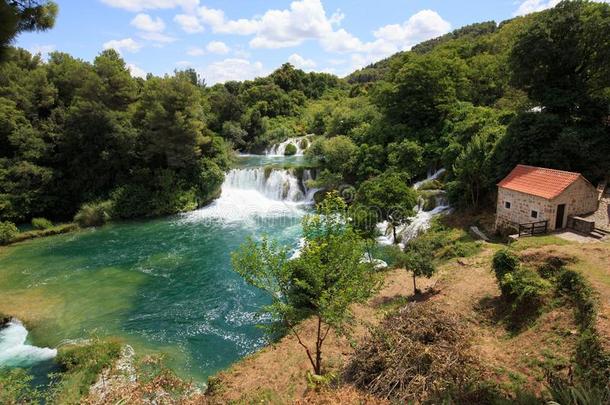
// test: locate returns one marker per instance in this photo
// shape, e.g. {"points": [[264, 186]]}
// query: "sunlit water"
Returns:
{"points": [[163, 285]]}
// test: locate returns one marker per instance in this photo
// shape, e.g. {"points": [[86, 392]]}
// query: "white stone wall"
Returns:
{"points": [[580, 198]]}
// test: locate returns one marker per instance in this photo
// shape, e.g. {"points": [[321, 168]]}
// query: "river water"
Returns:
{"points": [[163, 285]]}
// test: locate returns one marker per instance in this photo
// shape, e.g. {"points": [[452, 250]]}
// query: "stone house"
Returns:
{"points": [[535, 195]]}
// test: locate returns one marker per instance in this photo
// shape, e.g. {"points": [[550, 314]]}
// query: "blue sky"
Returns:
{"points": [[236, 40]]}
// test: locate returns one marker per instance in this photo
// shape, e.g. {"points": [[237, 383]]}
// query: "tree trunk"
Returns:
{"points": [[394, 233], [414, 285], [318, 367]]}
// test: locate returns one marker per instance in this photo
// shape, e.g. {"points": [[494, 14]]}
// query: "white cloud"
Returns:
{"points": [[189, 23], [139, 5], [232, 69], [157, 37], [136, 71], [145, 22], [195, 51], [216, 19], [126, 44], [306, 19], [530, 6], [217, 47], [300, 62], [421, 26], [43, 50]]}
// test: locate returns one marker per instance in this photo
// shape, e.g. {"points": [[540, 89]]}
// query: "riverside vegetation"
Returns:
{"points": [[87, 142]]}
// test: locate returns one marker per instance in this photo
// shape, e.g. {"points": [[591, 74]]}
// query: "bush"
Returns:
{"points": [[526, 291], [8, 231], [304, 144], [16, 387], [504, 262], [290, 150], [41, 223], [94, 214], [576, 287]]}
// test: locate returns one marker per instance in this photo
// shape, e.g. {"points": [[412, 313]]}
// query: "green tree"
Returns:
{"points": [[18, 16], [322, 283], [418, 258], [390, 195], [561, 60]]}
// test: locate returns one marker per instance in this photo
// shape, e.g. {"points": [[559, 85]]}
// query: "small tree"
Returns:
{"points": [[418, 258], [323, 282], [390, 195]]}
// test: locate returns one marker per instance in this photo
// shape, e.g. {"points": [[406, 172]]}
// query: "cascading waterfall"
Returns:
{"points": [[259, 192], [422, 219], [280, 185], [280, 148], [14, 352]]}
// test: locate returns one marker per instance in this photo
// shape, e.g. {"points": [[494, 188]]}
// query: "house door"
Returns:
{"points": [[561, 209]]}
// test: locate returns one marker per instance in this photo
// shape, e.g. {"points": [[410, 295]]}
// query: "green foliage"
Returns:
{"points": [[41, 223], [574, 285], [322, 282], [19, 16], [290, 150], [388, 195], [16, 388], [526, 291], [503, 263], [94, 214], [8, 231], [80, 367], [418, 259]]}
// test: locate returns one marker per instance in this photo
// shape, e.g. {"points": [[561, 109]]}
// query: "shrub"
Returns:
{"points": [[304, 143], [526, 291], [8, 231], [41, 223], [16, 387], [504, 262], [94, 214], [575, 286], [290, 150]]}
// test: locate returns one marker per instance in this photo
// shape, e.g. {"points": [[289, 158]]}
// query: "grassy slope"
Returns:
{"points": [[465, 285]]}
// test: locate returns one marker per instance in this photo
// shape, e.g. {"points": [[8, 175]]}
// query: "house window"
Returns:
{"points": [[507, 205], [534, 214]]}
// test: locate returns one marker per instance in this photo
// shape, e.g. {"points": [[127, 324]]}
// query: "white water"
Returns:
{"points": [[280, 148], [14, 352], [419, 223], [431, 176], [248, 193]]}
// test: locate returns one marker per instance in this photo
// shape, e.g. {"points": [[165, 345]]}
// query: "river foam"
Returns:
{"points": [[14, 352]]}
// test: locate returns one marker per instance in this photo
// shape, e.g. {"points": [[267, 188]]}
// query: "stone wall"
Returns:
{"points": [[580, 198]]}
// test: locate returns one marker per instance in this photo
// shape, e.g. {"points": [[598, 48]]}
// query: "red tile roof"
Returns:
{"points": [[538, 181]]}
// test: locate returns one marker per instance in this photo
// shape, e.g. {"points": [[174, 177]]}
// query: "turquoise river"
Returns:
{"points": [[163, 285]]}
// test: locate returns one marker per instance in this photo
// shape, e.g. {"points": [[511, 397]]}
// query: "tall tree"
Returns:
{"points": [[24, 15]]}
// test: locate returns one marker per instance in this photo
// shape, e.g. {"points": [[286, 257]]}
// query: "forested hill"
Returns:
{"points": [[477, 101]]}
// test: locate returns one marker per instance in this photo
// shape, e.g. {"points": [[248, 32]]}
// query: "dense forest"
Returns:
{"points": [[533, 90]]}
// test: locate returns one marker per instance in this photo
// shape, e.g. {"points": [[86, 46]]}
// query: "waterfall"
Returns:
{"points": [[259, 192], [279, 185], [432, 175], [14, 352], [421, 221], [280, 148]]}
